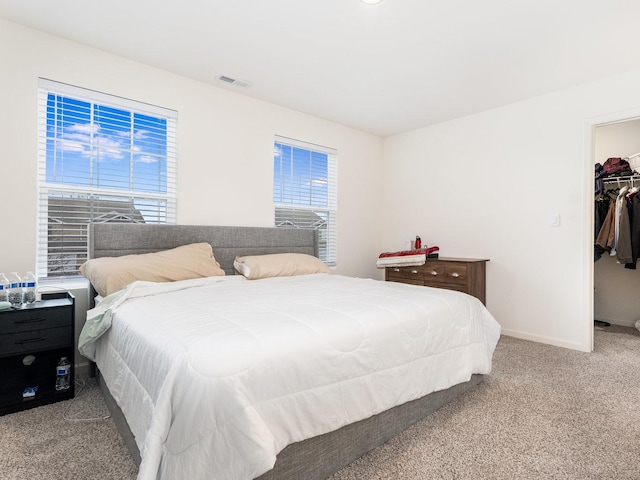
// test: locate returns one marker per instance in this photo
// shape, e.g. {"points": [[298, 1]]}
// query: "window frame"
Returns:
{"points": [[330, 236], [164, 200]]}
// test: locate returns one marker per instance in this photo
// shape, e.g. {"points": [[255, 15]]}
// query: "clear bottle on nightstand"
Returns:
{"points": [[29, 286], [63, 375], [15, 289], [4, 288]]}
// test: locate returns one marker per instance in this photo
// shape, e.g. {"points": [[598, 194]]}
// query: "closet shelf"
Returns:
{"points": [[625, 178]]}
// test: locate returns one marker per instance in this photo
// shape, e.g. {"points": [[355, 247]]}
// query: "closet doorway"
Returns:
{"points": [[616, 298]]}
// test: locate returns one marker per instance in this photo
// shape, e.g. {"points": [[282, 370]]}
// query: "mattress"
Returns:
{"points": [[216, 376]]}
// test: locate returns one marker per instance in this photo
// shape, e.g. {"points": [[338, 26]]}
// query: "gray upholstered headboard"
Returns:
{"points": [[117, 239]]}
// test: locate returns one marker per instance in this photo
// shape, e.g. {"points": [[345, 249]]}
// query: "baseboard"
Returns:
{"points": [[546, 340]]}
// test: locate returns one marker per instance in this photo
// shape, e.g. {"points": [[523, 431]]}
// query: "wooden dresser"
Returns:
{"points": [[466, 275]]}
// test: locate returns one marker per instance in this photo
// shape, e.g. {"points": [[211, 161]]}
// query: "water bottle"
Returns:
{"points": [[29, 284], [4, 288], [63, 375], [15, 289]]}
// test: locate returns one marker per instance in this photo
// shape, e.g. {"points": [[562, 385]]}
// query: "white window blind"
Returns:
{"points": [[305, 191], [101, 158]]}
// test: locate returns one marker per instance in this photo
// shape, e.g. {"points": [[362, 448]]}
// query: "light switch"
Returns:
{"points": [[555, 220]]}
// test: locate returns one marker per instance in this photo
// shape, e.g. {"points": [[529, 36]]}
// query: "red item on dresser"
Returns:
{"points": [[404, 253]]}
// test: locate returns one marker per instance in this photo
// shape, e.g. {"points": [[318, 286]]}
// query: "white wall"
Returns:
{"points": [[486, 186], [225, 147], [616, 288]]}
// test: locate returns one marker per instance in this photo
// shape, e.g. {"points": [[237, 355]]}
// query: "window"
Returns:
{"points": [[305, 191], [100, 159]]}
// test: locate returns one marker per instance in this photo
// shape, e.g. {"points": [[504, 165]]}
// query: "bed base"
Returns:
{"points": [[318, 458], [118, 418]]}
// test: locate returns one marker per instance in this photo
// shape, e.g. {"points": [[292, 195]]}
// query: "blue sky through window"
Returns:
{"points": [[299, 176], [98, 146]]}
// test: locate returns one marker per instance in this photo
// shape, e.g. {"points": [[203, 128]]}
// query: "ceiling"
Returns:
{"points": [[383, 69]]}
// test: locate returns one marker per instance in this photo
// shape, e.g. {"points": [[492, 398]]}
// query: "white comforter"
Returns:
{"points": [[217, 378]]}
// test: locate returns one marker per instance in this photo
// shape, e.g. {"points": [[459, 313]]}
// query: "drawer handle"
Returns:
{"points": [[31, 340], [396, 269], [433, 272], [31, 320], [414, 271], [455, 275]]}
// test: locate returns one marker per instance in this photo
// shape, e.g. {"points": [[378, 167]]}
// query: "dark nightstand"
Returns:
{"points": [[33, 338]]}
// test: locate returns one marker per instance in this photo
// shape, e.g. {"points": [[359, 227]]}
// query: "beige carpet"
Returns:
{"points": [[39, 444], [544, 413]]}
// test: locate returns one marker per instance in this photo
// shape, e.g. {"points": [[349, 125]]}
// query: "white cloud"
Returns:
{"points": [[81, 137], [140, 134], [146, 159], [86, 128], [70, 146]]}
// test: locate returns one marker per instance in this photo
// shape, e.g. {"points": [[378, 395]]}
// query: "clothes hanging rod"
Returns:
{"points": [[625, 178]]}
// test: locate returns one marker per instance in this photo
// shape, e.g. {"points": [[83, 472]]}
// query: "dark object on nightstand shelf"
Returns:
{"points": [[33, 338], [466, 275]]}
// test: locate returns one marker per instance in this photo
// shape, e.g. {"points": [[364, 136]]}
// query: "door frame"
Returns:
{"points": [[589, 178]]}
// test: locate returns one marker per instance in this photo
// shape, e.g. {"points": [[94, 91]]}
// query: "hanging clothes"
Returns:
{"points": [[634, 226], [600, 174], [618, 230], [620, 202], [606, 233], [600, 212], [623, 243]]}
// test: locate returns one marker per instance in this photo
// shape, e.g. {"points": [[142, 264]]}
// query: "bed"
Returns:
{"points": [[176, 398]]}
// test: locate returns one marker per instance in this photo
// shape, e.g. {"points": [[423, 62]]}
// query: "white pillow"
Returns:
{"points": [[278, 265]]}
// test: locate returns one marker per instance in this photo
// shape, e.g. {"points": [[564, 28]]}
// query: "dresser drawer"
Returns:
{"points": [[408, 281], [399, 274], [447, 274], [34, 319], [33, 340]]}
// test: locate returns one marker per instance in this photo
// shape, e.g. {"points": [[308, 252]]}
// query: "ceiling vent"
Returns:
{"points": [[234, 81]]}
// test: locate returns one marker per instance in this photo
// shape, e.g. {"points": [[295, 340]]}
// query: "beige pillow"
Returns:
{"points": [[110, 274], [279, 265]]}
